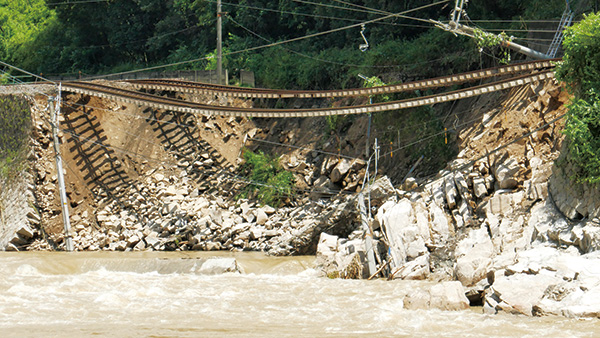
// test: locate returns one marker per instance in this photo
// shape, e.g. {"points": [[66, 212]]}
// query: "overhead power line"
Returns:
{"points": [[26, 72], [300, 13], [75, 2], [338, 7], [401, 14], [367, 9], [308, 56]]}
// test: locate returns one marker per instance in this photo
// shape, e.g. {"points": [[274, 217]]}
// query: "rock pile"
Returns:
{"points": [[324, 175], [166, 212]]}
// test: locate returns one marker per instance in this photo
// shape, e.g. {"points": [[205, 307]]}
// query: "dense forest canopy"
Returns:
{"points": [[104, 36]]}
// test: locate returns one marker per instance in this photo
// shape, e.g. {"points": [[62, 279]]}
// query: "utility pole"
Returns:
{"points": [[219, 43], [369, 123], [368, 235], [59, 170]]}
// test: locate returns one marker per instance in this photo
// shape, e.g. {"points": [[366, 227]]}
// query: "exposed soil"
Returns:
{"points": [[109, 147]]}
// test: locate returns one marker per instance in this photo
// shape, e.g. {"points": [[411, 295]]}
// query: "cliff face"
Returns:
{"points": [[576, 201]]}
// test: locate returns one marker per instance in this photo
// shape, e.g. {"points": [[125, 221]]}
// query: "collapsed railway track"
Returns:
{"points": [[232, 91], [160, 102]]}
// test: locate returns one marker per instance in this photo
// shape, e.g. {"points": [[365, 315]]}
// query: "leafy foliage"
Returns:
{"points": [[421, 133], [580, 69], [15, 125], [493, 41], [583, 132], [21, 23], [47, 36], [273, 185]]}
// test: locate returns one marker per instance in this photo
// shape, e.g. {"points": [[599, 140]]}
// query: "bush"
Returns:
{"points": [[270, 183], [580, 70], [15, 125], [583, 133]]}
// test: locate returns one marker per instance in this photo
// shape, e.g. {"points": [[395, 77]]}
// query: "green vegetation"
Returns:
{"points": [[421, 132], [580, 70], [24, 25], [15, 126], [495, 42], [272, 185], [58, 37]]}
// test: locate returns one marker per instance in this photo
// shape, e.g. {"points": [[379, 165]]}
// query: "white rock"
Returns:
{"points": [[517, 294], [261, 217], [340, 170], [474, 257], [215, 266], [417, 269], [479, 187], [505, 174], [448, 296], [450, 192]]}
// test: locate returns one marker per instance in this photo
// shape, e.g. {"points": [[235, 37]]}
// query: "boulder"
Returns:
{"points": [[591, 238], [398, 222], [500, 203], [505, 174], [261, 217], [517, 294], [474, 257], [417, 269], [380, 191], [448, 296], [479, 187], [340, 258], [450, 192], [25, 232], [440, 230], [216, 266], [341, 169]]}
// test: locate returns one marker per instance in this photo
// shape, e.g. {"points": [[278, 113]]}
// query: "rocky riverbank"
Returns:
{"points": [[501, 226], [491, 224]]}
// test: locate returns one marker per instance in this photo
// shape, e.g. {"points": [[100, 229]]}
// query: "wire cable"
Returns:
{"points": [[308, 56], [26, 72], [22, 83], [277, 43], [400, 15], [367, 9], [75, 2], [429, 179], [140, 40], [304, 14]]}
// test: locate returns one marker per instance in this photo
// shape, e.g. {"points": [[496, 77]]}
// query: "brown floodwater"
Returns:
{"points": [[108, 294]]}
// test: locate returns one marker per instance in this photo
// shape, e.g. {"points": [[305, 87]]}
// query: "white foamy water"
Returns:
{"points": [[164, 295]]}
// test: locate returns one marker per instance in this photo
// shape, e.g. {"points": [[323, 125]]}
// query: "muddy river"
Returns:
{"points": [[164, 295]]}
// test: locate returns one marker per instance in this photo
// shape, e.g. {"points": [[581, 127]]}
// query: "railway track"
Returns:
{"points": [[211, 89], [160, 102]]}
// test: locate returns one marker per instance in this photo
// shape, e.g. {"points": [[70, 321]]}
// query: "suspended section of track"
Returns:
{"points": [[537, 71], [232, 91]]}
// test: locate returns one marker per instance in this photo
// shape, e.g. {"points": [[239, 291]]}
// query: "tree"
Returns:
{"points": [[21, 22], [580, 70]]}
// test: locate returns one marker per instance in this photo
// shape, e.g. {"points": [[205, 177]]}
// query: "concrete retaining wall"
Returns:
{"points": [[18, 216]]}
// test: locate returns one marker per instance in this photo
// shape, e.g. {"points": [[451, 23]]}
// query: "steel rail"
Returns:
{"points": [[211, 89], [159, 102]]}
